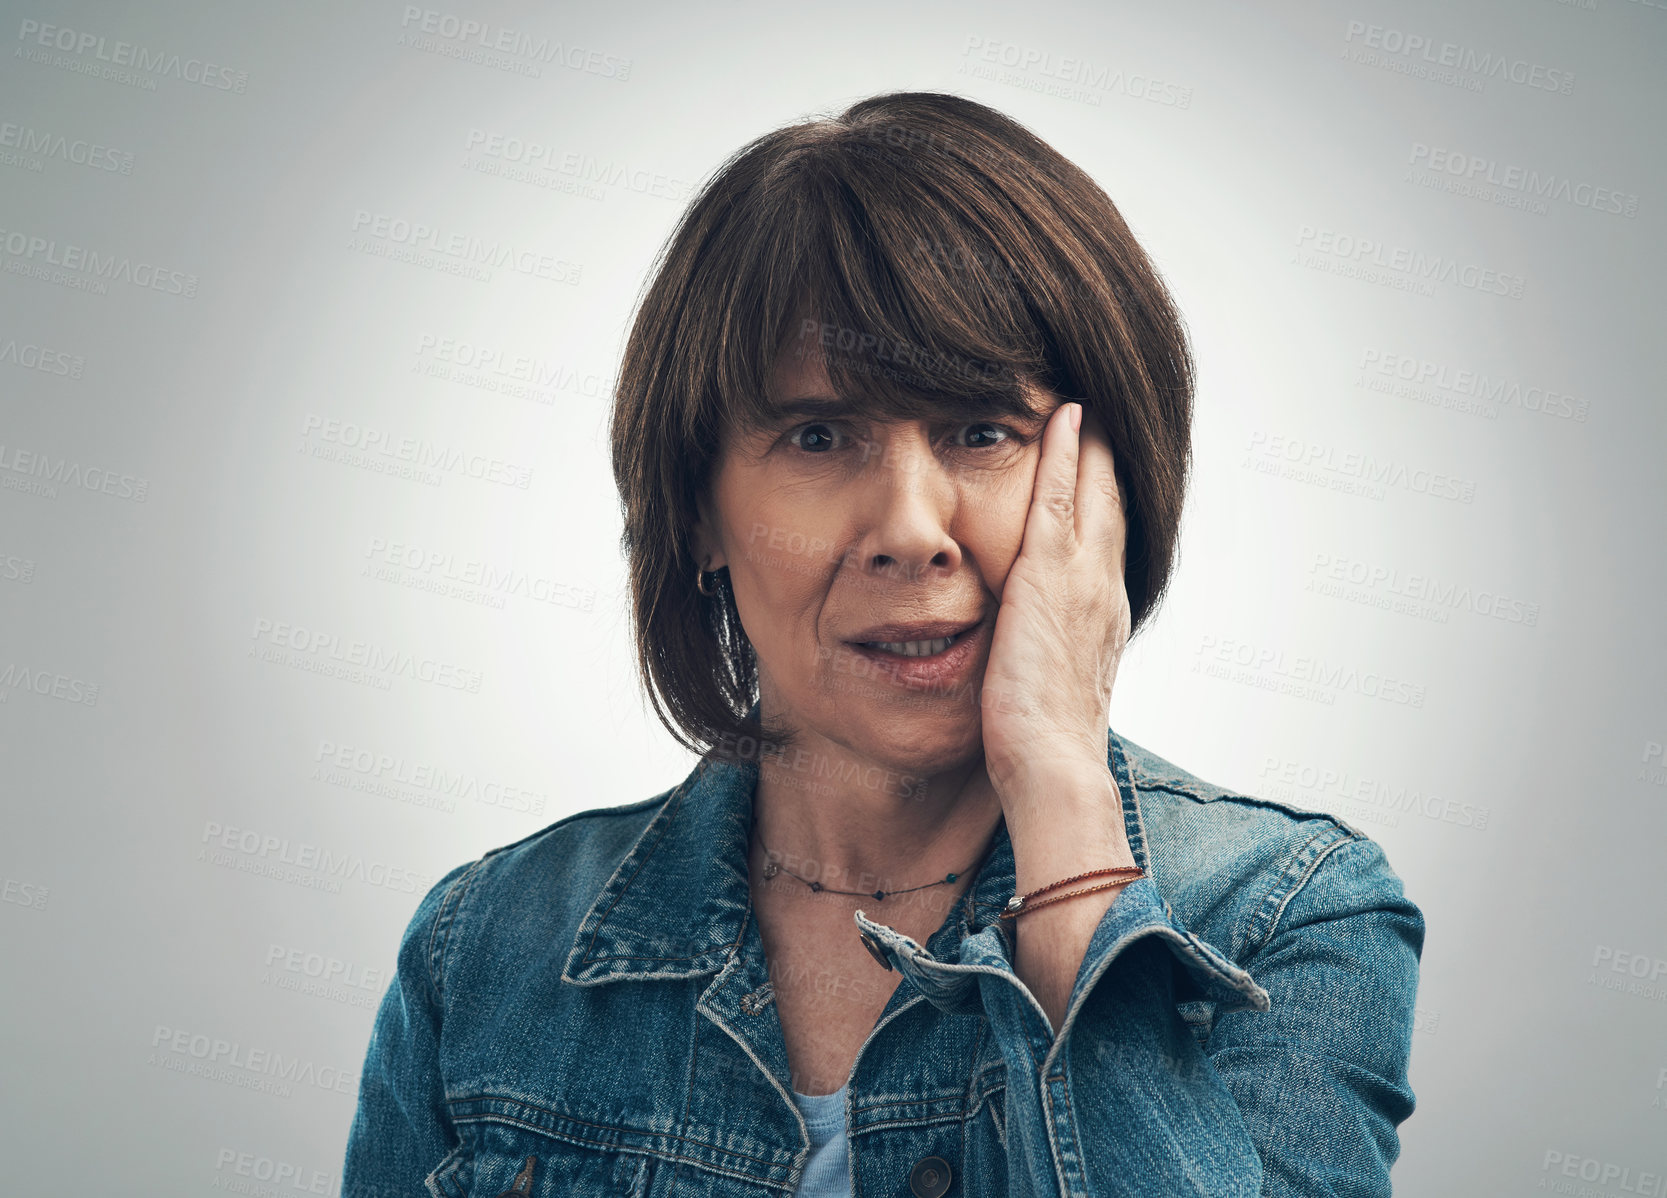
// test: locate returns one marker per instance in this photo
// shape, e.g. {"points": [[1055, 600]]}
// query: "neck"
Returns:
{"points": [[853, 824]]}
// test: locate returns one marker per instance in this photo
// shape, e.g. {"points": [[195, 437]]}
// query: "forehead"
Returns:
{"points": [[800, 368], [797, 385]]}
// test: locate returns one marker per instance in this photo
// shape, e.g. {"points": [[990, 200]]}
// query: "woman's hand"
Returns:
{"points": [[1063, 619]]}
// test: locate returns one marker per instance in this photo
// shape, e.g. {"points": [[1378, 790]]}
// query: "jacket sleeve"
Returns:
{"points": [[401, 1129], [1297, 1089]]}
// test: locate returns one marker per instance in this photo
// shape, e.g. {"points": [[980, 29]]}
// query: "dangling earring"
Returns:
{"points": [[700, 583]]}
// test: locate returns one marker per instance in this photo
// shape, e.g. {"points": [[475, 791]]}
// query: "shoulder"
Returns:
{"points": [[1237, 868], [584, 846], [1177, 800], [544, 882]]}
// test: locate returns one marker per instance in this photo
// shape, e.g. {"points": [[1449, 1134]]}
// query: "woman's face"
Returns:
{"points": [[831, 527]]}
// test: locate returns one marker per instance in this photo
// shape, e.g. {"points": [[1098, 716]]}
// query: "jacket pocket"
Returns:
{"points": [[502, 1160]]}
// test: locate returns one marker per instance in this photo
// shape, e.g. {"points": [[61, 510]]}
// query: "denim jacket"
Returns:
{"points": [[588, 1011]]}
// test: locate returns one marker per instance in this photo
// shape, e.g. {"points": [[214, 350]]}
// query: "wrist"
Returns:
{"points": [[1070, 822], [1055, 787], [1041, 762]]}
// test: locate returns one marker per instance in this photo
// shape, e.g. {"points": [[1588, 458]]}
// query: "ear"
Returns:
{"points": [[708, 550]]}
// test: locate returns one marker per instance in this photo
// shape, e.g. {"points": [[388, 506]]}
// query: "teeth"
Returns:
{"points": [[914, 648]]}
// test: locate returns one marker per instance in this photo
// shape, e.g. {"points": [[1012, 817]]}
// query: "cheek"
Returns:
{"points": [[790, 547], [993, 516], [782, 562]]}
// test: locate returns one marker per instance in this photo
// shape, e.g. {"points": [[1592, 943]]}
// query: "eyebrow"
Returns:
{"points": [[807, 406], [824, 407]]}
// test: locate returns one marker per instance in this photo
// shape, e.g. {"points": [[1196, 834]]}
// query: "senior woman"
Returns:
{"points": [[901, 436]]}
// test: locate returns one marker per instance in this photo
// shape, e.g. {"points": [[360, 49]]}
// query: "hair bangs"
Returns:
{"points": [[881, 274]]}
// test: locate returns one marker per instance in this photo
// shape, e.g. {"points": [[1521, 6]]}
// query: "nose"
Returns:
{"points": [[908, 503]]}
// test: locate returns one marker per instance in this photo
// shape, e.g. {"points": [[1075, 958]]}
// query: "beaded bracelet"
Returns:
{"points": [[1019, 904]]}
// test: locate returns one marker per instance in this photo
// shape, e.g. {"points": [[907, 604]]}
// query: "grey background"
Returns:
{"points": [[1523, 798]]}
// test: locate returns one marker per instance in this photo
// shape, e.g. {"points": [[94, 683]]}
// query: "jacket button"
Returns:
{"points": [[872, 943], [930, 1178]]}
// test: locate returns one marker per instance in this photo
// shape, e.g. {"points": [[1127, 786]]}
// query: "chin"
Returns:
{"points": [[920, 738]]}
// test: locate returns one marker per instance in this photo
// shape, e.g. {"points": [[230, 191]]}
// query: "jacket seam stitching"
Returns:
{"points": [[1260, 919], [1319, 860], [439, 937], [497, 1117], [1065, 1176], [975, 1092], [959, 1116], [1138, 846], [1230, 796], [1300, 880], [953, 1102], [618, 810]]}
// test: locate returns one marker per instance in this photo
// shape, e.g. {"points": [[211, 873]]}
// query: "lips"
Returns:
{"points": [[949, 674], [927, 630]]}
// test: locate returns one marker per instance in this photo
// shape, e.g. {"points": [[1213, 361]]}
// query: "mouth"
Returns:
{"points": [[942, 658], [914, 638], [911, 647]]}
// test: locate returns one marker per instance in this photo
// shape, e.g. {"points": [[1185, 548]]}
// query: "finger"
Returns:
{"points": [[1050, 524], [1100, 517]]}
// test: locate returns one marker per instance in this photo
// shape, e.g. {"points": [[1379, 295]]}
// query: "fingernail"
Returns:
{"points": [[1076, 417]]}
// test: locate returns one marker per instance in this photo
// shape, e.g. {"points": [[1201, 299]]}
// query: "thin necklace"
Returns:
{"points": [[771, 869]]}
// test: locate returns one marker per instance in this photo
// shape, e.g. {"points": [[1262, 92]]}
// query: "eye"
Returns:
{"points": [[811, 438], [822, 438], [1006, 433]]}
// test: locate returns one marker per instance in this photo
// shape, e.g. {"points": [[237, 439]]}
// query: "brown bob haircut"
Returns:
{"points": [[950, 257]]}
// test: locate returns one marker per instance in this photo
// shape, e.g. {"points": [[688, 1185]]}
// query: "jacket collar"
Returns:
{"points": [[678, 903]]}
